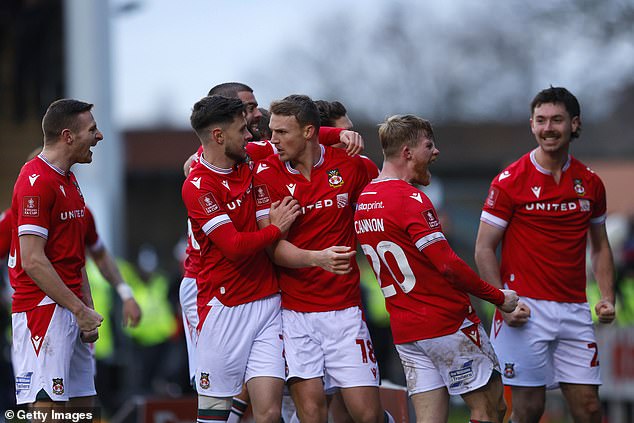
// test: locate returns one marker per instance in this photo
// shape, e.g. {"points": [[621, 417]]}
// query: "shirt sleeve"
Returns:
{"points": [[498, 207], [213, 220], [425, 231], [35, 202]]}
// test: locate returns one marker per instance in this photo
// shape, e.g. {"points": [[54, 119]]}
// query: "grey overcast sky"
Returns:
{"points": [[167, 54]]}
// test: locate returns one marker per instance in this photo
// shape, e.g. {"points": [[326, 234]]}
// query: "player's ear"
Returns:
{"points": [[309, 131], [406, 152], [217, 135], [67, 136]]}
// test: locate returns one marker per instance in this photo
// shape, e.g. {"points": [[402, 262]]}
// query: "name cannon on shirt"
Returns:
{"points": [[582, 205], [369, 225], [72, 214]]}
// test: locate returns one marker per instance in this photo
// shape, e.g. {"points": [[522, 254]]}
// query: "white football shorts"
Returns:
{"points": [[187, 294], [238, 343], [48, 354], [557, 344], [462, 361], [335, 345]]}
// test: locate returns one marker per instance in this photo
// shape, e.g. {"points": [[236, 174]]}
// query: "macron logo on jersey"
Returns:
{"points": [[536, 191], [416, 196], [196, 182], [504, 175], [261, 167], [291, 188], [33, 178], [226, 185], [61, 188]]}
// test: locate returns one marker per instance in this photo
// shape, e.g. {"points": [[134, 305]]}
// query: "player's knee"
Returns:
{"points": [[312, 411], [271, 414], [590, 405], [212, 409], [530, 412]]}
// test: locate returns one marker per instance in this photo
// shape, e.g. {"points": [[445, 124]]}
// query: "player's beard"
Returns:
{"points": [[238, 156]]}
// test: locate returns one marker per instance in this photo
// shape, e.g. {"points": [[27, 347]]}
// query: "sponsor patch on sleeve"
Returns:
{"points": [[262, 195], [492, 197], [431, 218], [30, 206], [208, 202]]}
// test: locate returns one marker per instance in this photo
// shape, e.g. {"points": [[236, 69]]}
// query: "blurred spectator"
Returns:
{"points": [[149, 370]]}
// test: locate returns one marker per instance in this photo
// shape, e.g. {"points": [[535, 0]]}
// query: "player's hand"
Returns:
{"points": [[605, 311], [283, 213], [336, 259], [131, 313], [519, 316], [89, 337], [510, 300], [88, 319], [353, 141]]}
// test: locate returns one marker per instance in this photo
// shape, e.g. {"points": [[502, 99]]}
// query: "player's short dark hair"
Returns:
{"points": [[330, 111], [230, 89], [563, 96], [400, 130], [62, 114], [300, 106], [263, 125], [214, 109]]}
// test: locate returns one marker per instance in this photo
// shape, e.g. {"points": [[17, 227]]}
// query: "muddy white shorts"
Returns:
{"points": [[48, 354], [335, 345], [557, 344], [187, 295], [238, 343], [462, 361]]}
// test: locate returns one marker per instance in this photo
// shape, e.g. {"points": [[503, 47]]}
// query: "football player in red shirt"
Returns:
{"points": [[326, 340], [46, 259], [442, 345], [542, 208], [238, 291]]}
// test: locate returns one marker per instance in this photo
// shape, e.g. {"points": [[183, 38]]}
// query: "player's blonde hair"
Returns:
{"points": [[400, 130]]}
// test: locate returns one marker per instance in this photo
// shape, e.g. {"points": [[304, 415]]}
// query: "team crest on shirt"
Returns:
{"points": [[431, 218], [58, 385], [204, 380], [208, 202], [509, 370], [262, 195], [579, 188], [492, 197], [334, 178], [31, 206]]}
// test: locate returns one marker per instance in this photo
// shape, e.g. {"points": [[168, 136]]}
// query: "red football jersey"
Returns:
{"points": [[394, 223], [93, 242], [216, 197], [5, 232], [546, 226], [370, 166], [327, 202], [48, 203]]}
